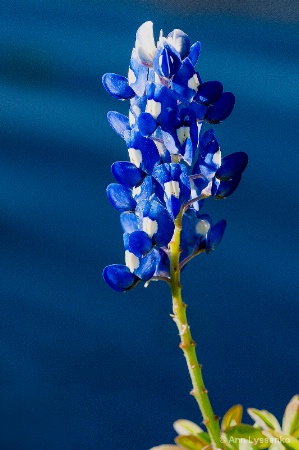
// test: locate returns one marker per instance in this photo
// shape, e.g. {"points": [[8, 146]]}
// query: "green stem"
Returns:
{"points": [[187, 344]]}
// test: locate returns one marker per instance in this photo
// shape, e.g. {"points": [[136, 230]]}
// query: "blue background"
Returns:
{"points": [[85, 368]]}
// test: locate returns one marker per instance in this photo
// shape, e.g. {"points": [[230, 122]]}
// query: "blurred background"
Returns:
{"points": [[86, 368]]}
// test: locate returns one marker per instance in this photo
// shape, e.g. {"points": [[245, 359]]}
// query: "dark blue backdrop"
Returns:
{"points": [[85, 368]]}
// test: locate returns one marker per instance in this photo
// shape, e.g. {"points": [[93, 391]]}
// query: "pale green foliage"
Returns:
{"points": [[264, 419], [290, 421], [184, 427], [265, 433], [232, 417]]}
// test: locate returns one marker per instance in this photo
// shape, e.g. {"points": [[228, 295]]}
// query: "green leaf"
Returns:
{"points": [[191, 442], [186, 427], [264, 419], [291, 442], [232, 417], [237, 434], [290, 421]]}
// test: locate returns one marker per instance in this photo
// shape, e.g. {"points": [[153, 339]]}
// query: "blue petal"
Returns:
{"points": [[126, 173], [188, 118], [159, 216], [207, 167], [165, 224], [168, 101], [146, 124], [159, 192], [194, 52], [144, 191], [208, 143], [147, 148], [126, 240], [158, 139], [147, 266], [215, 235], [189, 152], [221, 109], [137, 106], [117, 86], [119, 277], [139, 243], [189, 145], [120, 197], [128, 222], [173, 206], [209, 92], [185, 77], [176, 170], [207, 164], [118, 122], [163, 265], [232, 165], [162, 173], [138, 75], [227, 187], [167, 61], [199, 109], [171, 141], [201, 183], [184, 184], [151, 87], [180, 41], [188, 235]]}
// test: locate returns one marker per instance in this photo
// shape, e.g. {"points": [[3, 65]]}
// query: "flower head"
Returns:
{"points": [[173, 166]]}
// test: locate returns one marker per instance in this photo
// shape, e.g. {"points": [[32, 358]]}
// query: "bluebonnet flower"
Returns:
{"points": [[199, 234], [172, 165], [214, 175], [175, 186]]}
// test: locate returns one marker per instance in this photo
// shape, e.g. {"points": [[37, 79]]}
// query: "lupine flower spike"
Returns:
{"points": [[174, 164]]}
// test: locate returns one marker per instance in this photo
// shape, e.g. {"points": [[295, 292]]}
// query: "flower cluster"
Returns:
{"points": [[174, 165]]}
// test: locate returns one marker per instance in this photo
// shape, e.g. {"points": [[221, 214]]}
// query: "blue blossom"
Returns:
{"points": [[214, 175], [119, 277], [173, 164], [199, 234], [117, 86], [174, 182]]}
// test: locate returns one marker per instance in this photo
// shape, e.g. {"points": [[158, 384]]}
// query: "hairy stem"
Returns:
{"points": [[187, 344]]}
